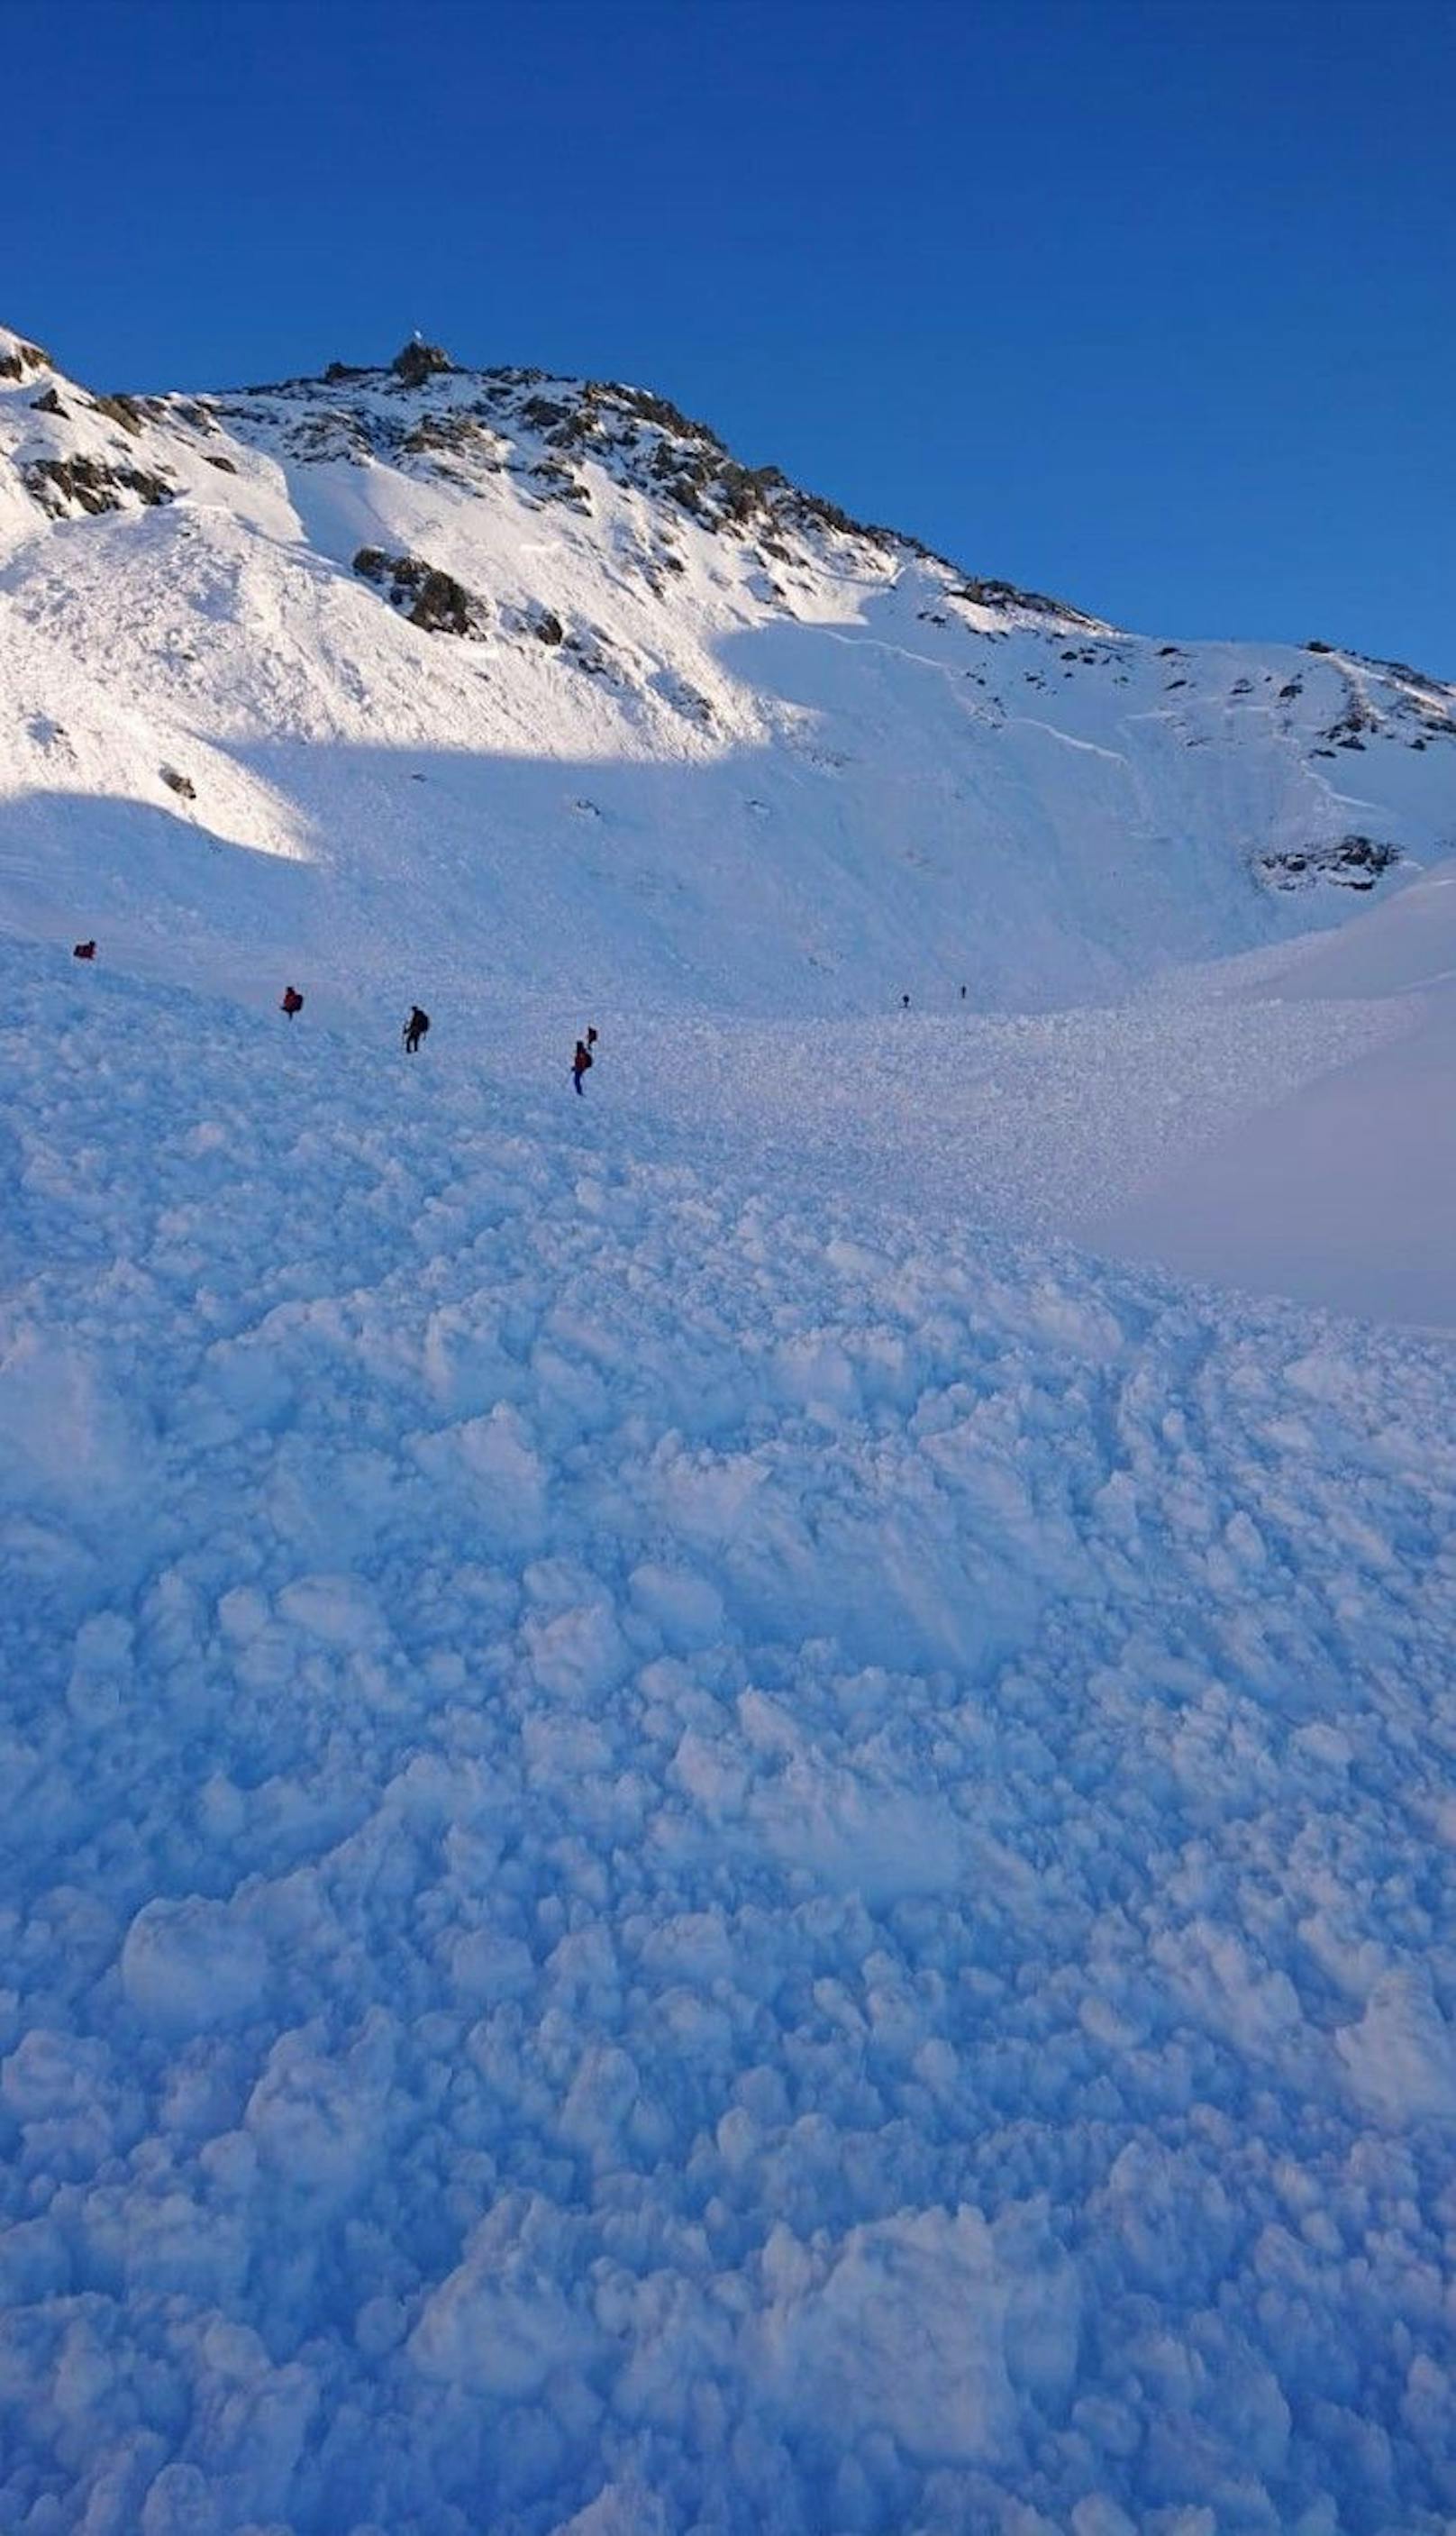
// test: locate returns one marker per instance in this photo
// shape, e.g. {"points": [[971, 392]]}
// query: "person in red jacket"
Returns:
{"points": [[579, 1063], [292, 1002]]}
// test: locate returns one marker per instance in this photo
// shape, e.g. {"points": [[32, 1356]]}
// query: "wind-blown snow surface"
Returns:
{"points": [[682, 1855]]}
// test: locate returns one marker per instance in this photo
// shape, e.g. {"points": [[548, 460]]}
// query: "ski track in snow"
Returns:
{"points": [[685, 1851]]}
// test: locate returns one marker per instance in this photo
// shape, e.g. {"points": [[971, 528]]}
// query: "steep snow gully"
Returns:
{"points": [[681, 1857], [699, 1835]]}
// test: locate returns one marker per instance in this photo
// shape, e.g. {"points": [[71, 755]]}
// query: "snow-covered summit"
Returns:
{"points": [[533, 677]]}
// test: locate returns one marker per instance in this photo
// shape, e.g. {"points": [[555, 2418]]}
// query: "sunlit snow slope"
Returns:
{"points": [[480, 677]]}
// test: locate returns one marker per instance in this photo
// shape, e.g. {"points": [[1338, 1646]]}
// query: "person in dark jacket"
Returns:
{"points": [[414, 1029], [579, 1063], [85, 950], [292, 1002]]}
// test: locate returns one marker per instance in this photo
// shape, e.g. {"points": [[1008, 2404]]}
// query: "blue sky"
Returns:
{"points": [[1148, 306]]}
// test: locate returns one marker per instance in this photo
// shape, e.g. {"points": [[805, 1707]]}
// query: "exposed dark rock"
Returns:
{"points": [[91, 484], [25, 357], [546, 624], [1411, 678], [657, 410], [455, 433], [1353, 861], [181, 784], [583, 425], [1319, 647], [225, 466], [49, 401], [554, 478], [337, 433], [432, 599], [1356, 717], [418, 362], [121, 408], [1005, 593], [589, 655], [684, 698]]}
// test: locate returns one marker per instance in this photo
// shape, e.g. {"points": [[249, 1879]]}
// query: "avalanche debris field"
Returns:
{"points": [[686, 1856]]}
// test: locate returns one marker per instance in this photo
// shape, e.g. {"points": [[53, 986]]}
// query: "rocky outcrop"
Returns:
{"points": [[1348, 862], [62, 485], [19, 359], [416, 362], [430, 599], [123, 409]]}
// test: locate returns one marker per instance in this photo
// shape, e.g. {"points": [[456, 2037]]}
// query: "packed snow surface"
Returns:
{"points": [[700, 1834]]}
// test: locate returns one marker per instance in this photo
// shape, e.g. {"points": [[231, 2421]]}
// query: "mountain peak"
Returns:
{"points": [[417, 360], [546, 652]]}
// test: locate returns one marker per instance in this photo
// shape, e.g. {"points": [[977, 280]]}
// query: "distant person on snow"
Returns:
{"points": [[963, 995], [590, 1036], [84, 951], [580, 1062], [414, 1029], [905, 1003], [292, 1002]]}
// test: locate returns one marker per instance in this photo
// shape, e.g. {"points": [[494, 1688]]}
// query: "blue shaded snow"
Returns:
{"points": [[678, 1858]]}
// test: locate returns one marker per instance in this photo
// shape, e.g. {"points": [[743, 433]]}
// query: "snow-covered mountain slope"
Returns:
{"points": [[457, 679], [685, 1854], [690, 1845]]}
